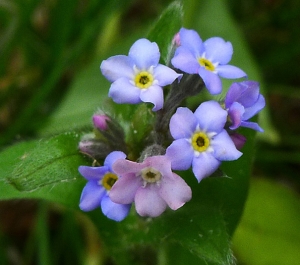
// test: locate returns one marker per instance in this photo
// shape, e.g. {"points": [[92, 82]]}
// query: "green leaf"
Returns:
{"points": [[44, 169], [9, 158], [50, 162], [269, 230], [165, 28]]}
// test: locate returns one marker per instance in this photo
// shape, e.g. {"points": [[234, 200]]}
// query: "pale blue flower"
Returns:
{"points": [[138, 77], [96, 191], [200, 139], [209, 59]]}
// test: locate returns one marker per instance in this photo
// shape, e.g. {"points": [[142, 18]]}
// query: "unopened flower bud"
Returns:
{"points": [[176, 39], [238, 140], [100, 121], [152, 150], [94, 148]]}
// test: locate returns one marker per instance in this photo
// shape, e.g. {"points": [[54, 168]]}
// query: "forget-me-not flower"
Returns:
{"points": [[150, 184], [242, 102], [100, 181], [138, 77], [209, 59], [200, 139]]}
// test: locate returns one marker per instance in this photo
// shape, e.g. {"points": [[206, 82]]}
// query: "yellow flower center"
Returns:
{"points": [[200, 141], [143, 79], [206, 64], [150, 175], [109, 180]]}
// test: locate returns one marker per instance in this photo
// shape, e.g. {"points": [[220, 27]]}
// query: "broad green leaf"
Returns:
{"points": [[51, 162], [44, 169], [9, 158], [269, 230], [165, 28]]}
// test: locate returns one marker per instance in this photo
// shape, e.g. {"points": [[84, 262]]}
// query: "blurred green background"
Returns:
{"points": [[50, 52]]}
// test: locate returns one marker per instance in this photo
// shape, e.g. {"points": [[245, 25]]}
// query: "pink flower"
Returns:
{"points": [[151, 185]]}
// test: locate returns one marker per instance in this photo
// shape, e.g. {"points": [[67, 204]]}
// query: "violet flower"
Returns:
{"points": [[200, 139], [150, 184], [96, 191], [242, 102], [138, 77], [209, 59]]}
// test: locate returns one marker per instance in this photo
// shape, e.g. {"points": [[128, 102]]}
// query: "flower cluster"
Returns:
{"points": [[178, 138]]}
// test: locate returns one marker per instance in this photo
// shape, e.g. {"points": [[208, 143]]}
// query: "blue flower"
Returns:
{"points": [[138, 77], [200, 139], [209, 59], [100, 181], [242, 102]]}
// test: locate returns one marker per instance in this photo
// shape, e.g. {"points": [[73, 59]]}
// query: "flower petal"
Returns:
{"points": [[248, 92], [204, 165], [230, 71], [123, 167], [191, 40], [252, 125], [161, 163], [185, 61], [234, 94], [144, 54], [224, 148], [235, 113], [114, 211], [175, 191], [183, 123], [153, 94], [218, 50], [181, 154], [112, 158], [255, 108], [211, 116], [91, 196], [211, 80], [92, 173], [117, 67], [124, 190], [165, 75], [122, 91], [148, 202]]}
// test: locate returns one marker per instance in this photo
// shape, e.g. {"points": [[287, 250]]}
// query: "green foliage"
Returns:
{"points": [[44, 169], [268, 233], [59, 44], [50, 162], [165, 28]]}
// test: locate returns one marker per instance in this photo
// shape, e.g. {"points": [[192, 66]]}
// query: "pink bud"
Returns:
{"points": [[99, 121], [85, 146], [238, 140], [176, 39]]}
